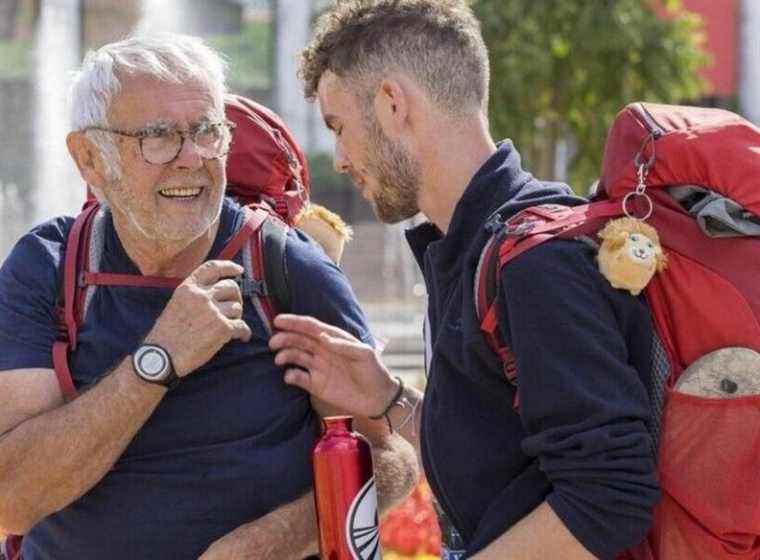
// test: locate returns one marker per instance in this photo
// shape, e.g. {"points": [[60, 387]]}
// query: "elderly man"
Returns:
{"points": [[214, 456], [570, 474]]}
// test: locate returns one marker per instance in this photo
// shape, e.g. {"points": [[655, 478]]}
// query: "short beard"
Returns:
{"points": [[398, 176]]}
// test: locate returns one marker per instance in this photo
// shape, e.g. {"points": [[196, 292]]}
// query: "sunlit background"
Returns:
{"points": [[560, 72]]}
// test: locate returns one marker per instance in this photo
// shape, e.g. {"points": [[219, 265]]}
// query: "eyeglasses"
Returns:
{"points": [[160, 145]]}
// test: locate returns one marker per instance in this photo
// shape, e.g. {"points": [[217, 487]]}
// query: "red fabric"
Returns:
{"points": [[136, 280], [701, 310], [62, 372], [708, 474], [254, 220], [708, 147], [13, 547], [71, 269], [77, 277], [258, 273], [265, 162], [708, 298]]}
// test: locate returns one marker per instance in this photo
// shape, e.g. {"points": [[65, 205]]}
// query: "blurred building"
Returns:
{"points": [[732, 29], [722, 21]]}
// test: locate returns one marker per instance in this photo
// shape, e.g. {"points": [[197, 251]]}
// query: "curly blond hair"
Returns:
{"points": [[438, 43]]}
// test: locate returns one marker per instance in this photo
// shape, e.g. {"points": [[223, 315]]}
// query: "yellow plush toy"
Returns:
{"points": [[326, 228], [630, 254]]}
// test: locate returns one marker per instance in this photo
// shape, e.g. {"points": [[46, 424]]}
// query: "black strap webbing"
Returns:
{"points": [[274, 237]]}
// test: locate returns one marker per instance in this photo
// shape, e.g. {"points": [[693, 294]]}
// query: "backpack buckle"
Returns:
{"points": [[519, 229], [495, 224], [250, 287], [517, 226]]}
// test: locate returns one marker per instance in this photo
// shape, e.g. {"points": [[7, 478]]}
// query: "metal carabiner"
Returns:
{"points": [[645, 196], [638, 161]]}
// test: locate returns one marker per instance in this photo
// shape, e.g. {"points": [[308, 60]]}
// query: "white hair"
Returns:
{"points": [[167, 57]]}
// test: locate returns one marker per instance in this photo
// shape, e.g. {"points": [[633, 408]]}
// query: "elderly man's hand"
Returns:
{"points": [[332, 365], [204, 313]]}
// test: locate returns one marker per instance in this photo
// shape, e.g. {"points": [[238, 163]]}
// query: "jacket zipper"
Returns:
{"points": [[434, 481], [440, 495]]}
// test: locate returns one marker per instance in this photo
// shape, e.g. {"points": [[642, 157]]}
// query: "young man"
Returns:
{"points": [[570, 474], [213, 454]]}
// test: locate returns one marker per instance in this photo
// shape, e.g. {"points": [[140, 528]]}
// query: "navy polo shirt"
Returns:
{"points": [[229, 445]]}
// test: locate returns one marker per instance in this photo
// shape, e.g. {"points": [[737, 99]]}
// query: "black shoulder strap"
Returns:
{"points": [[274, 236]]}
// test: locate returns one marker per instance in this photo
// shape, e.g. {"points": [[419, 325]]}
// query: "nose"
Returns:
{"points": [[188, 157], [340, 160]]}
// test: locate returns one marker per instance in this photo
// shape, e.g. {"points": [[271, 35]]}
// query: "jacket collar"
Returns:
{"points": [[501, 184]]}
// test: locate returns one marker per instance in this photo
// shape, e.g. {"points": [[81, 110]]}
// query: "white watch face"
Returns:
{"points": [[152, 362]]}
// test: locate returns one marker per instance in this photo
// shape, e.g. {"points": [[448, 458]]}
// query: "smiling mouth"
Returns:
{"points": [[184, 193]]}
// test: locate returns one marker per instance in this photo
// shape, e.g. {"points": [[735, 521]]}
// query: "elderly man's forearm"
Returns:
{"points": [[52, 459], [397, 471], [404, 419]]}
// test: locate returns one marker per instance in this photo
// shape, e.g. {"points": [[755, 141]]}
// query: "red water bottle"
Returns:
{"points": [[345, 495]]}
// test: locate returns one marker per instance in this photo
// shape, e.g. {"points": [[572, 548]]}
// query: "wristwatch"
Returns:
{"points": [[153, 364]]}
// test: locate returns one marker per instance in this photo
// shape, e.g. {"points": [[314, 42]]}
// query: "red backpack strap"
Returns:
{"points": [[509, 239], [265, 281], [11, 549], [71, 292], [87, 278], [487, 284], [254, 219], [77, 276], [74, 262], [269, 289]]}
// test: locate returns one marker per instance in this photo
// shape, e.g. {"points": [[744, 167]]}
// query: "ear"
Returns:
{"points": [[617, 239], [88, 159], [392, 107]]}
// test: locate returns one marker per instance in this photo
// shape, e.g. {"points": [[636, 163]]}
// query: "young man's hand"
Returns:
{"points": [[332, 365]]}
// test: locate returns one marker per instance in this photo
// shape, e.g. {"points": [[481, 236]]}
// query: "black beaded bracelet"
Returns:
{"points": [[393, 402]]}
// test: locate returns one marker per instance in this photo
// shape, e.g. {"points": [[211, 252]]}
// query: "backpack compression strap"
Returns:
{"points": [[509, 239], [265, 280], [67, 313], [77, 277], [11, 549]]}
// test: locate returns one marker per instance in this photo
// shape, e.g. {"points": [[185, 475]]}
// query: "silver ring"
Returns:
{"points": [[648, 214]]}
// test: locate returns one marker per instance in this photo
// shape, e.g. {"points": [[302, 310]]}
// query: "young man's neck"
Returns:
{"points": [[455, 154]]}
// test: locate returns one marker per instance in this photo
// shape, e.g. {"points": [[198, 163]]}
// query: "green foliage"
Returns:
{"points": [[15, 58], [566, 67], [248, 54], [323, 174]]}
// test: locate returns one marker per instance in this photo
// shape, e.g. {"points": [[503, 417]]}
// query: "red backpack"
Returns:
{"points": [[266, 171], [705, 305]]}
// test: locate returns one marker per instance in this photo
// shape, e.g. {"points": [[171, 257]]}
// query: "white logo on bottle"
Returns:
{"points": [[362, 531]]}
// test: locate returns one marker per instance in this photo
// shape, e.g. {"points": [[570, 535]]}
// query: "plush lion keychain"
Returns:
{"points": [[630, 254], [326, 228]]}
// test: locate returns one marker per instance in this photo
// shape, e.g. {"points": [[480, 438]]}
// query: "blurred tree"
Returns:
{"points": [[562, 69]]}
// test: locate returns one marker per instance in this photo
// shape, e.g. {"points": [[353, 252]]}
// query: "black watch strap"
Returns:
{"points": [[172, 380], [153, 364]]}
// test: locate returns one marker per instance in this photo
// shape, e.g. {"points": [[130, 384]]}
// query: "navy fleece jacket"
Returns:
{"points": [[580, 439]]}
